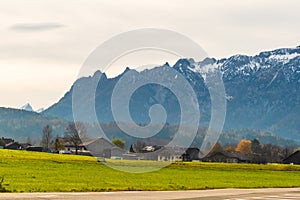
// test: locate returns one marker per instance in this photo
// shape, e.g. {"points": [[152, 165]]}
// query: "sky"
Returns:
{"points": [[43, 44]]}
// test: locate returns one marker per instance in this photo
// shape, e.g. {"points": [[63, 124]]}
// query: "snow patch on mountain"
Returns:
{"points": [[27, 107], [40, 110], [284, 58]]}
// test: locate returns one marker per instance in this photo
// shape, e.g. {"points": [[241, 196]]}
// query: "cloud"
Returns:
{"points": [[36, 26]]}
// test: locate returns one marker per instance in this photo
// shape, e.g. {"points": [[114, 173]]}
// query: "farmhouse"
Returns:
{"points": [[5, 141], [171, 154], [228, 157], [34, 148], [293, 158], [25, 145], [100, 147], [69, 146], [190, 154], [8, 143], [13, 146]]}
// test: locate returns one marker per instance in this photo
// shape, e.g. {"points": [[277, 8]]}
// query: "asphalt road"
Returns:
{"points": [[225, 194]]}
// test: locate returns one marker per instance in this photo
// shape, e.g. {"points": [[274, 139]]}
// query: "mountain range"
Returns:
{"points": [[262, 95], [262, 92]]}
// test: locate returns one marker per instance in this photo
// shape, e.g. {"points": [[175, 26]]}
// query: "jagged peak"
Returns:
{"points": [[207, 61], [281, 51], [183, 63], [27, 107], [127, 69], [166, 65], [239, 57], [98, 73]]}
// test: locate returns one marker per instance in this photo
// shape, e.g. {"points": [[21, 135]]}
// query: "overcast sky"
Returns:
{"points": [[44, 43]]}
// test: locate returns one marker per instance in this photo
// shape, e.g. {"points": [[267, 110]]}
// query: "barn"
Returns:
{"points": [[293, 158]]}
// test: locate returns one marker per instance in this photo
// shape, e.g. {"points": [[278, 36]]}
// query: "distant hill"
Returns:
{"points": [[22, 125], [262, 92]]}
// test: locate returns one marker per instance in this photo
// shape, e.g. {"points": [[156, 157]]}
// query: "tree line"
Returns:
{"points": [[257, 152], [76, 132]]}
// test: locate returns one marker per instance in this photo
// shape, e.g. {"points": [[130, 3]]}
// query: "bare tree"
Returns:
{"points": [[75, 132], [217, 148], [47, 138]]}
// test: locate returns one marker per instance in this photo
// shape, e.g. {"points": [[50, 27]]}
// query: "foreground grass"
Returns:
{"points": [[41, 172]]}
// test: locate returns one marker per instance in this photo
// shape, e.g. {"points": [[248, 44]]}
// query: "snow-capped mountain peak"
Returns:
{"points": [[27, 107]]}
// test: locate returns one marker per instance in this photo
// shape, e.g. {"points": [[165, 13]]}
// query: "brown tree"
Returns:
{"points": [[244, 147], [217, 148], [47, 138], [74, 133], [230, 148], [273, 153]]}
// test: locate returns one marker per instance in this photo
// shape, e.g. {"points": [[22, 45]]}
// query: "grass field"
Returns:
{"points": [[42, 172]]}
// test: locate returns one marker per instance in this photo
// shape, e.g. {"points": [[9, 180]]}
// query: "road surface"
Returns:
{"points": [[225, 194]]}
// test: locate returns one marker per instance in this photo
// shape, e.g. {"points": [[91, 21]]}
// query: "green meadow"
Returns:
{"points": [[42, 172]]}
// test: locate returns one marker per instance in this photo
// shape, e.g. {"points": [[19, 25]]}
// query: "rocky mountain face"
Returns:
{"points": [[262, 92]]}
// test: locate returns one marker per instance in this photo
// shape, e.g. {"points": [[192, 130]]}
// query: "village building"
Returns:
{"points": [[226, 157], [13, 146], [4, 141], [100, 147], [171, 154], [34, 148], [294, 158], [25, 145], [191, 154]]}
